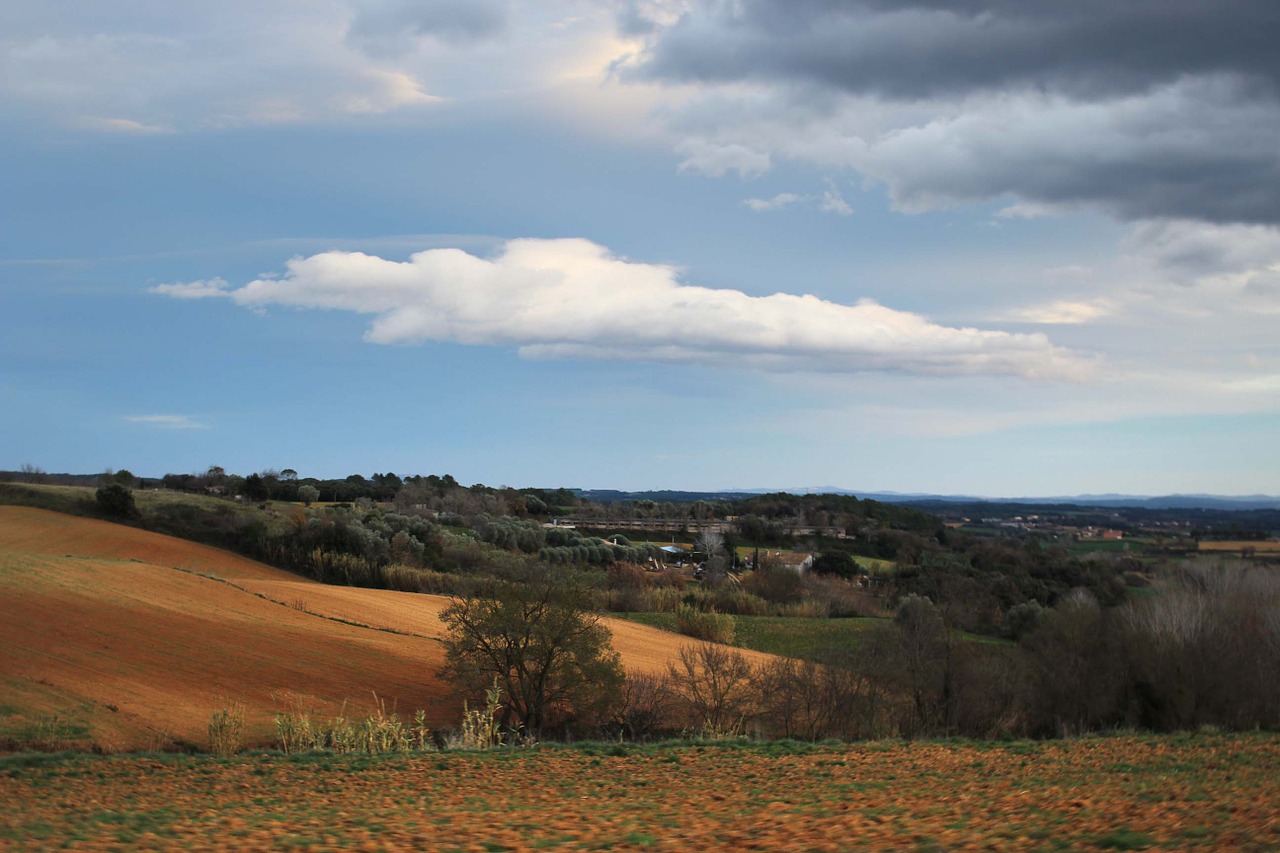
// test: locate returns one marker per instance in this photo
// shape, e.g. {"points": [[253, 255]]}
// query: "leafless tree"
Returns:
{"points": [[646, 706], [710, 542], [714, 685]]}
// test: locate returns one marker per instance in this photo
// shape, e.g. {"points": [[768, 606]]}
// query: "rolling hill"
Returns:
{"points": [[124, 639]]}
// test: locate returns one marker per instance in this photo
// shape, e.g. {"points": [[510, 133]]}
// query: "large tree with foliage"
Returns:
{"points": [[256, 488], [535, 633]]}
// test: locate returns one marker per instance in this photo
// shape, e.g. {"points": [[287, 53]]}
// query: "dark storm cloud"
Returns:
{"points": [[929, 48], [1158, 108], [1196, 150]]}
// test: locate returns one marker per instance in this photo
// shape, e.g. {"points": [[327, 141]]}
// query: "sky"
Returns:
{"points": [[991, 247]]}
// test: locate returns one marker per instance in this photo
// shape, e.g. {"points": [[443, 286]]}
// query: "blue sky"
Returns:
{"points": [[991, 247]]}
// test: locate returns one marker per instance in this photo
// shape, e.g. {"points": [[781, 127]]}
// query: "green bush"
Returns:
{"points": [[664, 599], [740, 602], [411, 579], [705, 625]]}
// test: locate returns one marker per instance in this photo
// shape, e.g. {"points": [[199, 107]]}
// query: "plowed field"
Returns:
{"points": [[122, 639], [1205, 793]]}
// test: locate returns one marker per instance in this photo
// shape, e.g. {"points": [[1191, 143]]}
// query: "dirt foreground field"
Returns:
{"points": [[1131, 793], [119, 639]]}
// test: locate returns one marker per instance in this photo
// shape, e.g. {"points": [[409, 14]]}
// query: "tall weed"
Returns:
{"points": [[480, 729], [381, 731], [226, 730], [294, 733]]}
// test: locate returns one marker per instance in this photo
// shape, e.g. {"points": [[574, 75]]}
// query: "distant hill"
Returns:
{"points": [[917, 499], [662, 495], [927, 500], [1221, 502]]}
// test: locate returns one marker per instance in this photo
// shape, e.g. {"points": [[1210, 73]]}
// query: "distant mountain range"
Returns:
{"points": [[1192, 501], [920, 499], [1110, 499]]}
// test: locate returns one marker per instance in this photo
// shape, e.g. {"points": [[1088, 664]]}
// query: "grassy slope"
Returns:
{"points": [[788, 636], [794, 636]]}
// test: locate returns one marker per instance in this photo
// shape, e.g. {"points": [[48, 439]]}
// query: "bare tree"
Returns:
{"points": [[797, 698], [710, 542], [714, 684], [646, 707], [33, 473]]}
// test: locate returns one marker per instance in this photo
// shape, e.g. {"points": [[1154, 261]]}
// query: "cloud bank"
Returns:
{"points": [[922, 48], [572, 299], [1144, 110]]}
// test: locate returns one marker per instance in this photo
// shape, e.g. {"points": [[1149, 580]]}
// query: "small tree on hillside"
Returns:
{"points": [[308, 494], [535, 634]]}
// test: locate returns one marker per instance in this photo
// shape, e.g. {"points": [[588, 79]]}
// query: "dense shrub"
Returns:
{"points": [[734, 600], [116, 502], [1022, 619], [837, 563], [775, 583], [705, 625]]}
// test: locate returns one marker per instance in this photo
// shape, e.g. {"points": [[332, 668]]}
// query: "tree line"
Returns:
{"points": [[1204, 653]]}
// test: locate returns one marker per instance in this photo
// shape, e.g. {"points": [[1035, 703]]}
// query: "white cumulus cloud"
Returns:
{"points": [[571, 298]]}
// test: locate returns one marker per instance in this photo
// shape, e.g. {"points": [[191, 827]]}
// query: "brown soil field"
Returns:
{"points": [[1267, 547], [643, 649], [1120, 793], [25, 530], [123, 639], [133, 655]]}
